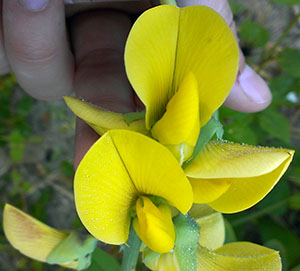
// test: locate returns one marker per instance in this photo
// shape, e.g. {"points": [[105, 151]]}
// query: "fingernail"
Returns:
{"points": [[34, 5], [254, 86]]}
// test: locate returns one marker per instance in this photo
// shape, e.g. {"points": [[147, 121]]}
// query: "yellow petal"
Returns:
{"points": [[154, 225], [181, 121], [212, 229], [208, 48], [239, 256], [166, 43], [153, 169], [160, 262], [102, 120], [239, 176], [104, 192], [243, 193], [31, 237], [150, 57], [118, 168], [182, 151], [168, 262], [208, 190], [222, 159]]}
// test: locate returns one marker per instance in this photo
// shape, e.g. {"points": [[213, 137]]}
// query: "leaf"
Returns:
{"points": [[186, 244], [132, 116], [254, 34], [101, 261], [280, 86], [286, 2], [275, 124], [206, 133], [289, 60]]}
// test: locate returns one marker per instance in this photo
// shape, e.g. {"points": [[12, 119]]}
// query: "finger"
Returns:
{"points": [[99, 39], [250, 92], [37, 46], [4, 67], [129, 6]]}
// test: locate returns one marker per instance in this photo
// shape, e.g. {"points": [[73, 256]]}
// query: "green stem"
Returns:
{"points": [[279, 41], [168, 2], [131, 252]]}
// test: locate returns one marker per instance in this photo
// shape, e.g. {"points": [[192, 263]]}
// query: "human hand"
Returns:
{"points": [[38, 51]]}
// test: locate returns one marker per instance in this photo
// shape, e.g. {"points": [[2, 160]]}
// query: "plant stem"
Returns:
{"points": [[279, 40], [168, 2], [131, 252]]}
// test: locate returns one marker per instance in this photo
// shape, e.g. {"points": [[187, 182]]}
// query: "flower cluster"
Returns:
{"points": [[151, 168]]}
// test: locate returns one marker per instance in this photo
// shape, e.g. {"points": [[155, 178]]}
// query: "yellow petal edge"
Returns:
{"points": [[239, 256], [102, 120]]}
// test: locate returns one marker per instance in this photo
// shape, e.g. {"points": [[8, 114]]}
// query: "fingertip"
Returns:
{"points": [[250, 93], [36, 45]]}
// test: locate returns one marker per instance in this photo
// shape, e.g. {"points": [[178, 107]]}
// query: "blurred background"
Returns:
{"points": [[37, 139]]}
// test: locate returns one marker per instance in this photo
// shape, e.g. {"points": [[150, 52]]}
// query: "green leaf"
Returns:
{"points": [[132, 116], [101, 261], [76, 246], [280, 86], [286, 2], [289, 60], [254, 34], [186, 243], [275, 124], [206, 133]]}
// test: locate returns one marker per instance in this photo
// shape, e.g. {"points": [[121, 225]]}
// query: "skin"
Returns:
{"points": [[36, 46]]}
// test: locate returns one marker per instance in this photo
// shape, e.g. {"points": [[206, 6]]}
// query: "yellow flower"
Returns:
{"points": [[38, 241], [182, 64], [125, 176], [212, 255]]}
